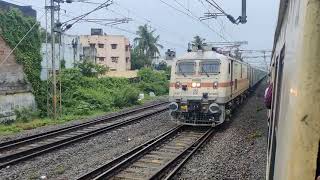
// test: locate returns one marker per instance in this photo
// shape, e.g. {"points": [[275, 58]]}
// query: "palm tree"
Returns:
{"points": [[198, 42], [146, 43]]}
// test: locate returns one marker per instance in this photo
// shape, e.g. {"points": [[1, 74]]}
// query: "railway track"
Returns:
{"points": [[12, 152], [159, 158]]}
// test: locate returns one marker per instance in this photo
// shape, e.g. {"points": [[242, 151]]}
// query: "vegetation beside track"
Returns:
{"points": [[84, 97], [83, 93]]}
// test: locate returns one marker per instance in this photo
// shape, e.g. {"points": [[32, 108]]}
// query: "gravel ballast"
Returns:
{"points": [[77, 159], [238, 149], [47, 128]]}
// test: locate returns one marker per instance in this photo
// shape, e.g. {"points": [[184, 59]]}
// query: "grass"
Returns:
{"points": [[255, 135], [20, 126], [59, 169]]}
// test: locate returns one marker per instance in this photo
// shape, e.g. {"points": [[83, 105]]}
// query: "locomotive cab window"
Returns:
{"points": [[209, 67], [186, 68]]}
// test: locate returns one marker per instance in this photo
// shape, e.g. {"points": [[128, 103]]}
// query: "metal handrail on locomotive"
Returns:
{"points": [[206, 85]]}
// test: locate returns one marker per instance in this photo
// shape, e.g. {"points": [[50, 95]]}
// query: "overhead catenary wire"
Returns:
{"points": [[214, 4], [128, 31], [220, 22], [195, 18], [155, 25], [115, 27], [140, 22]]}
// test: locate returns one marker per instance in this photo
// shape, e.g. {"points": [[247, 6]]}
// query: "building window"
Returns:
{"points": [[101, 45], [113, 69], [92, 45], [101, 58], [127, 59], [114, 46], [114, 59], [127, 47]]}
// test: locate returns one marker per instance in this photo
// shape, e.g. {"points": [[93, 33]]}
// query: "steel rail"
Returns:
{"points": [[101, 119], [102, 170], [115, 166], [181, 158], [29, 153]]}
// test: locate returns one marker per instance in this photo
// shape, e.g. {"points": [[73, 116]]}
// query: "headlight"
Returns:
{"points": [[198, 85], [173, 106], [177, 85], [194, 84], [215, 85], [214, 108]]}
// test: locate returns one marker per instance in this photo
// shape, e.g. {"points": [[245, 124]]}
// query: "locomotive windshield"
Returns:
{"points": [[186, 68], [209, 67]]}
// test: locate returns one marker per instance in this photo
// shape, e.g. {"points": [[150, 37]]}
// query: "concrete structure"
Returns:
{"points": [[70, 52], [122, 74], [112, 51], [169, 58], [26, 10], [15, 91]]}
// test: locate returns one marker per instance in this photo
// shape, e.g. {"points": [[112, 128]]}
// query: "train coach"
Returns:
{"points": [[206, 86], [294, 130]]}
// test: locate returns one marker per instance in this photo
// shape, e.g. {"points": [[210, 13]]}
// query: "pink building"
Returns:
{"points": [[112, 51]]}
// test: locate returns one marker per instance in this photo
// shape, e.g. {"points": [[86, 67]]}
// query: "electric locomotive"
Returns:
{"points": [[206, 86]]}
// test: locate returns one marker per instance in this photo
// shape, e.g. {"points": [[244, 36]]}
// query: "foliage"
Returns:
{"points": [[82, 95], [25, 114], [43, 36], [13, 27], [153, 81], [138, 60], [147, 43], [91, 69], [19, 126], [198, 41], [63, 64], [86, 96], [164, 67]]}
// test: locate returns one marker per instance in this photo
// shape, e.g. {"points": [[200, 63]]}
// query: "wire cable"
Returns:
{"points": [[196, 19]]}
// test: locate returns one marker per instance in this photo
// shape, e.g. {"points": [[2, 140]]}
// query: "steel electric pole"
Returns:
{"points": [[54, 78]]}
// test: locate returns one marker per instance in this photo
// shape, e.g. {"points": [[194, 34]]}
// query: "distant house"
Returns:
{"points": [[15, 91], [112, 51], [26, 10]]}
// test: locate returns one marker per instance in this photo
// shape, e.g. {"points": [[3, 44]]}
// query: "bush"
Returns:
{"points": [[91, 69], [83, 95], [25, 114], [126, 96], [153, 81]]}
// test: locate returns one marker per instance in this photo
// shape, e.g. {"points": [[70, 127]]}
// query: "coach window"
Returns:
{"points": [[241, 71], [209, 67]]}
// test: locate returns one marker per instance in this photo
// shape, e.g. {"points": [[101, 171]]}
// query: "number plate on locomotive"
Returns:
{"points": [[195, 91]]}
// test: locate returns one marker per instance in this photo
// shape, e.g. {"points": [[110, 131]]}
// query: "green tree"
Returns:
{"points": [[139, 60], [198, 41], [90, 69], [147, 43]]}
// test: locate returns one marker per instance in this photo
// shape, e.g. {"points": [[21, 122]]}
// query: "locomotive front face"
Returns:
{"points": [[194, 92]]}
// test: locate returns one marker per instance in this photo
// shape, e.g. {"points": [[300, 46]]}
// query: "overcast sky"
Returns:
{"points": [[175, 28]]}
